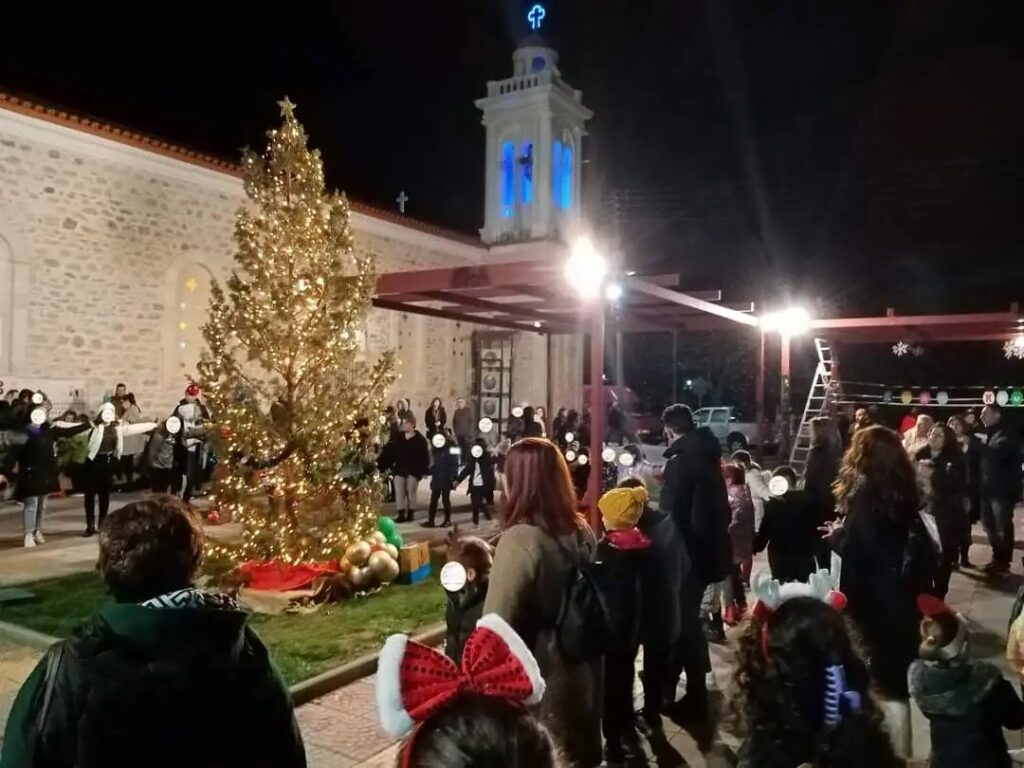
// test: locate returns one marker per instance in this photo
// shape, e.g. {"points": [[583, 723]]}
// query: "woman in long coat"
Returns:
{"points": [[888, 559], [539, 521]]}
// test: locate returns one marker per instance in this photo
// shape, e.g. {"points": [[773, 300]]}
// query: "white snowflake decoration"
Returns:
{"points": [[901, 348], [1014, 348], [917, 351]]}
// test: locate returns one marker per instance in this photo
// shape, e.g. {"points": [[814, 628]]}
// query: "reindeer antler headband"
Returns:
{"points": [[770, 594]]}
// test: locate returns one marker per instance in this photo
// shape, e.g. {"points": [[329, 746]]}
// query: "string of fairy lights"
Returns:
{"points": [[295, 404]]}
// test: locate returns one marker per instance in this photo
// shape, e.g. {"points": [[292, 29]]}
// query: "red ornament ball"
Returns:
{"points": [[213, 517]]}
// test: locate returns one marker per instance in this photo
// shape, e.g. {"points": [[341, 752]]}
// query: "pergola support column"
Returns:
{"points": [[596, 414]]}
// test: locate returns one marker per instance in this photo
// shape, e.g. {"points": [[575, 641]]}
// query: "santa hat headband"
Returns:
{"points": [[771, 595], [415, 682], [931, 606]]}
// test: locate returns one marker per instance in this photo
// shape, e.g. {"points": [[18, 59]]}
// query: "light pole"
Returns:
{"points": [[790, 322], [586, 271]]}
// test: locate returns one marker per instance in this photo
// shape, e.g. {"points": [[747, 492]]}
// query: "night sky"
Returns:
{"points": [[855, 155]]}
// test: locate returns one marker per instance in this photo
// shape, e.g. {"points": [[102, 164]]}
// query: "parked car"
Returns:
{"points": [[733, 434]]}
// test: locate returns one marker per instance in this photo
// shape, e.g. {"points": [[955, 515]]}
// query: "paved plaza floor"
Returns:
{"points": [[340, 729]]}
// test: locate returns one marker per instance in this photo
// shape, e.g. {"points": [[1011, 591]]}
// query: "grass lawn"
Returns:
{"points": [[302, 645]]}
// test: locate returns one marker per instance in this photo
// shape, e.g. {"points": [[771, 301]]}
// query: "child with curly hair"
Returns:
{"points": [[802, 687]]}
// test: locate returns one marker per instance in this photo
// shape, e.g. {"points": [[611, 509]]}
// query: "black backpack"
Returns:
{"points": [[584, 629]]}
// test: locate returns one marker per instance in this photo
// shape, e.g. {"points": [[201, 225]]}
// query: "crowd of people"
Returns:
{"points": [[449, 456], [92, 452], [543, 633]]}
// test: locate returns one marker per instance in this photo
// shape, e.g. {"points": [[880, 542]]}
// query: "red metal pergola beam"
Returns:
{"points": [[484, 276], [917, 321], [445, 314], [515, 309], [682, 299]]}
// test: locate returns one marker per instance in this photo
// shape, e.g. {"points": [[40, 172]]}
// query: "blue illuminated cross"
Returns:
{"points": [[536, 16]]}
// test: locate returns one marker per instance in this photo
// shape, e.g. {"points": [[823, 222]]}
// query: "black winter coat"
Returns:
{"points": [[463, 610], [886, 565], [822, 468], [968, 704], [625, 556], [694, 496], [1000, 466], [661, 573], [789, 530], [486, 463], [435, 421], [130, 681], [946, 503], [38, 472], [409, 456], [444, 470], [972, 459]]}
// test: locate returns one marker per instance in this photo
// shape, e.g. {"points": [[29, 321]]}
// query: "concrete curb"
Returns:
{"points": [[25, 636], [302, 692], [363, 666]]}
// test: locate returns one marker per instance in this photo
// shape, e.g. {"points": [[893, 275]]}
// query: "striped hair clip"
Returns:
{"points": [[839, 700]]}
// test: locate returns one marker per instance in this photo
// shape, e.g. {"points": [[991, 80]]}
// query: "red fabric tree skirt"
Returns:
{"points": [[275, 576]]}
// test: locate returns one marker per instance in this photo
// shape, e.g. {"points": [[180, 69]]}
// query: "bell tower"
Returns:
{"points": [[534, 122]]}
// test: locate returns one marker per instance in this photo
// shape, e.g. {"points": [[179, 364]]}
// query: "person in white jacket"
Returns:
{"points": [[916, 438], [106, 445]]}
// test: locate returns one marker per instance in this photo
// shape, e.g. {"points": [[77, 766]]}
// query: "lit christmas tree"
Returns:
{"points": [[298, 412]]}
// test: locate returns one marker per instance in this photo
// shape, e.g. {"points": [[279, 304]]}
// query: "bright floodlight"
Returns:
{"points": [[586, 268], [794, 321], [613, 292]]}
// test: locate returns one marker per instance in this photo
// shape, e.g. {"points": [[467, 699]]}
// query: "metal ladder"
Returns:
{"points": [[820, 402]]}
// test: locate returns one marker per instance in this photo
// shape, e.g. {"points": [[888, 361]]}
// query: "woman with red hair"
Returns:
{"points": [[541, 530]]}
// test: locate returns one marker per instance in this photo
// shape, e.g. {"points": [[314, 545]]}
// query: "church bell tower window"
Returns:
{"points": [[526, 163], [508, 179], [565, 196]]}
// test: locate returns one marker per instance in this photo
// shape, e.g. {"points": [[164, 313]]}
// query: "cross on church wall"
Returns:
{"points": [[402, 199]]}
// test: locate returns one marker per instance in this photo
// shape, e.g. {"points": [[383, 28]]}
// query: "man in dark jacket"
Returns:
{"points": [[410, 457], [166, 675], [1000, 486], [463, 425], [694, 496]]}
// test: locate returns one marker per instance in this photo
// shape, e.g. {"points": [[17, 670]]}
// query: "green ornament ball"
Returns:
{"points": [[387, 526]]}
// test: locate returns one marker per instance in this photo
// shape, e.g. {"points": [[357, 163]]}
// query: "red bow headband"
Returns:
{"points": [[415, 682], [771, 594]]}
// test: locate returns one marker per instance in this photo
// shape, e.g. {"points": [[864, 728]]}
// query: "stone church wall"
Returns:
{"points": [[106, 257]]}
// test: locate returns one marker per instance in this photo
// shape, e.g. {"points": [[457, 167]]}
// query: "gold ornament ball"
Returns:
{"points": [[378, 538], [392, 550], [358, 553], [360, 577], [384, 567]]}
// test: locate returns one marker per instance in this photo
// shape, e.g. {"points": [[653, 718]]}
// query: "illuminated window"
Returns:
{"points": [[526, 161], [508, 178], [556, 173], [565, 198]]}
